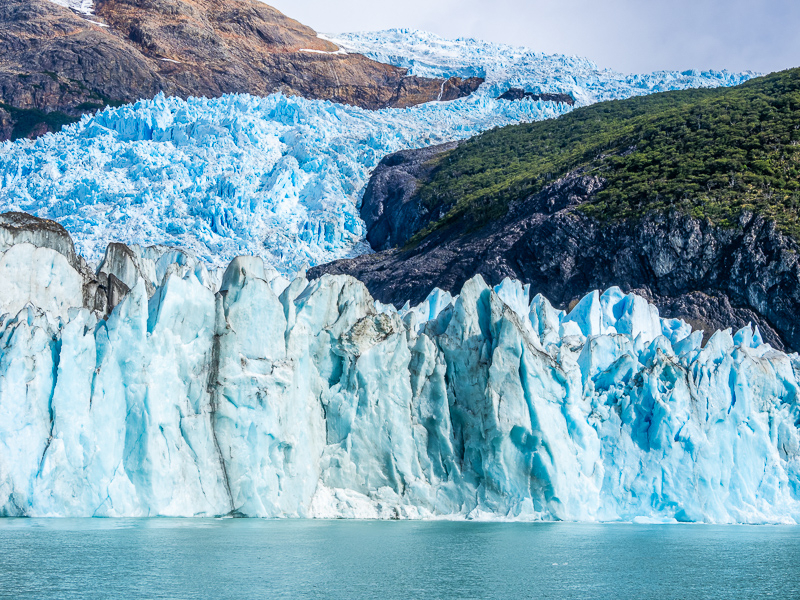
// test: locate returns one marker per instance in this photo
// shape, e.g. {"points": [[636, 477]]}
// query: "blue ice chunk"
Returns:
{"points": [[515, 295], [688, 345], [586, 315]]}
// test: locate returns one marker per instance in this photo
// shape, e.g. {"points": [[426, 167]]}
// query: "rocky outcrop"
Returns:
{"points": [[55, 60], [390, 207], [711, 276], [520, 94]]}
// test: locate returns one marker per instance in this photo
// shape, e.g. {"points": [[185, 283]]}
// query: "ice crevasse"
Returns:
{"points": [[251, 395]]}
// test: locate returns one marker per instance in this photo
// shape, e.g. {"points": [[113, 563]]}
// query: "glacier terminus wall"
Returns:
{"points": [[189, 393]]}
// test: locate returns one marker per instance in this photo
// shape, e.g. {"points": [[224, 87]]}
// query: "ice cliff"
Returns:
{"points": [[280, 177], [247, 394]]}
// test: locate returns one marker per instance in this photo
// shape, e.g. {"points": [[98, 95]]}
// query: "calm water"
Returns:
{"points": [[243, 559]]}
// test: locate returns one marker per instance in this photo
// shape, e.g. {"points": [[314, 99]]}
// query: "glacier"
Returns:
{"points": [[244, 393], [279, 177], [503, 66]]}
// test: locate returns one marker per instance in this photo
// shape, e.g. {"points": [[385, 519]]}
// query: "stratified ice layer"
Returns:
{"points": [[275, 399], [276, 177]]}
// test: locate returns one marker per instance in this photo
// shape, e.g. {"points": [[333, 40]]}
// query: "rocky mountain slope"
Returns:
{"points": [[56, 64], [691, 198], [184, 393]]}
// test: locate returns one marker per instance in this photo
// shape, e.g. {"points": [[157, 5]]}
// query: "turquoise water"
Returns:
{"points": [[244, 559]]}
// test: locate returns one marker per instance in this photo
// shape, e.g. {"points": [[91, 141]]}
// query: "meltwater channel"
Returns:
{"points": [[244, 559]]}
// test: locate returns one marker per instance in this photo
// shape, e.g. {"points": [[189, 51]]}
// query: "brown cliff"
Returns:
{"points": [[56, 64]]}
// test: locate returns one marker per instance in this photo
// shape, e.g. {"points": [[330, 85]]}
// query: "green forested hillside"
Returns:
{"points": [[711, 153]]}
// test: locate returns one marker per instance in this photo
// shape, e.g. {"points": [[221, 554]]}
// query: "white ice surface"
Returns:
{"points": [[82, 6], [321, 403], [279, 177], [503, 66]]}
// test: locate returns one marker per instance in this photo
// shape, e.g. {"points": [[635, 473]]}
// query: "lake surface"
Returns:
{"points": [[250, 559]]}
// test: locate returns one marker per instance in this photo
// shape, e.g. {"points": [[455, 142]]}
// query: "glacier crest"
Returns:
{"points": [[503, 66]]}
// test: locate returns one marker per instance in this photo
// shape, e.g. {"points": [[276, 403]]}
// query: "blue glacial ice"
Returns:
{"points": [[254, 395], [278, 177]]}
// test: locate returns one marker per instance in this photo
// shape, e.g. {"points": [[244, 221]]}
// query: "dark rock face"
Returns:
{"points": [[390, 207], [6, 125], [454, 88], [55, 60], [519, 94], [715, 278]]}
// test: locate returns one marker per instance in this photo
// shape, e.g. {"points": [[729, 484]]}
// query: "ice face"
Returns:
{"points": [[276, 177], [40, 276], [309, 399]]}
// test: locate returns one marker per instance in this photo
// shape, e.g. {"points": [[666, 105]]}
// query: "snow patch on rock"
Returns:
{"points": [[85, 7]]}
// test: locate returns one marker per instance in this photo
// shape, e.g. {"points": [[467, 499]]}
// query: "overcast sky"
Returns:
{"points": [[626, 35]]}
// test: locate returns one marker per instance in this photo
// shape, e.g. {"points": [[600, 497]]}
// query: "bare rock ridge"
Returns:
{"points": [[714, 278], [56, 64]]}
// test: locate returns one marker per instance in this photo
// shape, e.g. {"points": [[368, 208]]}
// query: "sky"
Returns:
{"points": [[632, 36]]}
